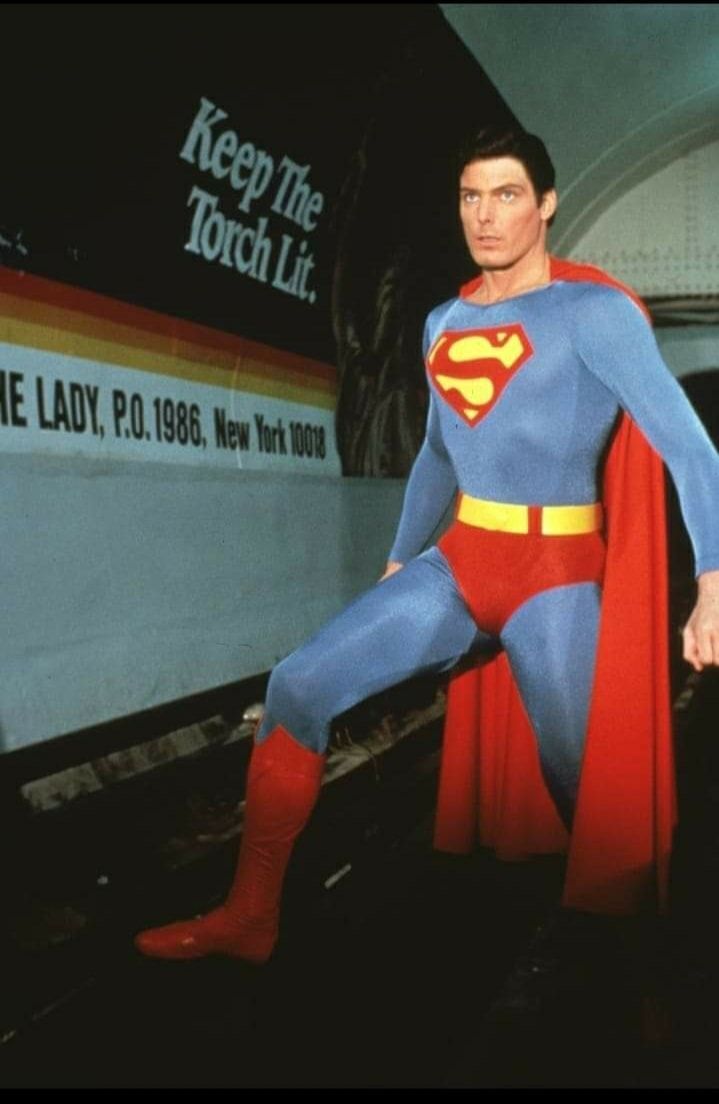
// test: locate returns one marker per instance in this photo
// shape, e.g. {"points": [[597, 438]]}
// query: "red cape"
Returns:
{"points": [[491, 788]]}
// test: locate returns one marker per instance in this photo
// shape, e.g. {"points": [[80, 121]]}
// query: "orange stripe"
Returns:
{"points": [[108, 312], [57, 327], [247, 376]]}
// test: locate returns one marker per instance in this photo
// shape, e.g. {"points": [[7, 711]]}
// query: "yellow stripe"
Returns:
{"points": [[63, 321], [240, 373]]}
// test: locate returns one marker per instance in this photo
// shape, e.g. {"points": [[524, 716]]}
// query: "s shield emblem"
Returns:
{"points": [[471, 368]]}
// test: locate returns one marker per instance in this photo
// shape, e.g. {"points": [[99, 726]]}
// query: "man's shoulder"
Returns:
{"points": [[594, 283], [437, 314]]}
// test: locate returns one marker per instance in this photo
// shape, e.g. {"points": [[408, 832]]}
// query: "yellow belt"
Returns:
{"points": [[511, 517]]}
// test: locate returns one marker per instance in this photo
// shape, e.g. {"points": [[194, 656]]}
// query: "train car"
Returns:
{"points": [[202, 263]]}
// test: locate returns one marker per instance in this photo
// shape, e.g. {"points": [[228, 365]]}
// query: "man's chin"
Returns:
{"points": [[493, 264]]}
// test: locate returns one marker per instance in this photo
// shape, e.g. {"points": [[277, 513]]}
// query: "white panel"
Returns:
{"points": [[662, 237], [128, 585], [69, 405]]}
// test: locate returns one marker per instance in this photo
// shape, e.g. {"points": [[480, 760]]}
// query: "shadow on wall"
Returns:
{"points": [[702, 390], [399, 247]]}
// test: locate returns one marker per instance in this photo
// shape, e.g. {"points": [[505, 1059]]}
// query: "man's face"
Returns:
{"points": [[501, 218]]}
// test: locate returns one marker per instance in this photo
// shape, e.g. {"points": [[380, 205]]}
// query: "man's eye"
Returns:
{"points": [[507, 197], [470, 197]]}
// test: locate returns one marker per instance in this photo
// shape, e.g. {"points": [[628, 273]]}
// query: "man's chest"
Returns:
{"points": [[506, 370]]}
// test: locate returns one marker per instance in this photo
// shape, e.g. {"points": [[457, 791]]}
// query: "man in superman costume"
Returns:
{"points": [[552, 577]]}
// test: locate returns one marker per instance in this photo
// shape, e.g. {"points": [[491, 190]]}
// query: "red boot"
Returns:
{"points": [[283, 782]]}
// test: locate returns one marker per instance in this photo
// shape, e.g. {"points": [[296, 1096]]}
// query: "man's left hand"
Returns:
{"points": [[701, 632]]}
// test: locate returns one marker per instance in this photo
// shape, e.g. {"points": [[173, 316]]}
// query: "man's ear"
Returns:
{"points": [[548, 206]]}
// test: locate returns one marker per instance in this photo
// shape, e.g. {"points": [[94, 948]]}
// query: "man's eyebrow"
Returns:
{"points": [[498, 188]]}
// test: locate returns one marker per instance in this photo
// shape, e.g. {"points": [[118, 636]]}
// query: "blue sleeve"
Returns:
{"points": [[617, 344], [431, 485]]}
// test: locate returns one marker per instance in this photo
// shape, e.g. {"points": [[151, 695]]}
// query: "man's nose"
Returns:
{"points": [[485, 210]]}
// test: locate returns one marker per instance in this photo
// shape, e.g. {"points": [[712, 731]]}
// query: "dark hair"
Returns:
{"points": [[526, 148]]}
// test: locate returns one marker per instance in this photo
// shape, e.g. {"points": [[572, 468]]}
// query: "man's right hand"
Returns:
{"points": [[392, 566]]}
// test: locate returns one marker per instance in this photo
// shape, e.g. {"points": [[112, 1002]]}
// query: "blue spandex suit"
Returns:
{"points": [[524, 395]]}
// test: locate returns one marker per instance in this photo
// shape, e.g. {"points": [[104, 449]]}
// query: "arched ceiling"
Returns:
{"points": [[616, 90]]}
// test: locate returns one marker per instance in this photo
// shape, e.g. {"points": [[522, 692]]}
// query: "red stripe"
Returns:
{"points": [[39, 289]]}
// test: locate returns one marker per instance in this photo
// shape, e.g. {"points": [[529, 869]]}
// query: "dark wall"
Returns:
{"points": [[399, 247]]}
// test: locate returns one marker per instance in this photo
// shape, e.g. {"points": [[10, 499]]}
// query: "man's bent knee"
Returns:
{"points": [[292, 701]]}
